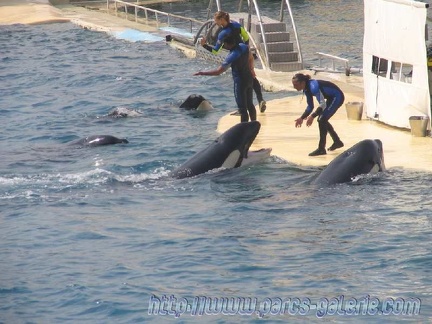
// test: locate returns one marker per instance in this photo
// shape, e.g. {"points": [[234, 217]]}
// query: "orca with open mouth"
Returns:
{"points": [[229, 150]]}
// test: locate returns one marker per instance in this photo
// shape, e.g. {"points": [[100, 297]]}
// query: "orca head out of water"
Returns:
{"points": [[196, 102], [227, 151], [365, 157]]}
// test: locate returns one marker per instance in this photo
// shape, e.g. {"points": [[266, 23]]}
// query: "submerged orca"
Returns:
{"points": [[98, 140], [196, 102], [124, 112], [229, 150], [364, 157]]}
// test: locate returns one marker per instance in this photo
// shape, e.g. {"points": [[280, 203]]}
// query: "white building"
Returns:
{"points": [[395, 68]]}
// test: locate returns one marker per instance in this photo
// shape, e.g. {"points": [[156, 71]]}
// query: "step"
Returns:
{"points": [[286, 67], [273, 37], [277, 57], [280, 47], [269, 27]]}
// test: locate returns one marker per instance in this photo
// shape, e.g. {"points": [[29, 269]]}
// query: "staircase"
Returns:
{"points": [[281, 52]]}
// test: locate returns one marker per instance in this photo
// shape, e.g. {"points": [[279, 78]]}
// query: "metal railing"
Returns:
{"points": [[146, 15], [334, 59], [266, 59], [157, 14], [293, 26]]}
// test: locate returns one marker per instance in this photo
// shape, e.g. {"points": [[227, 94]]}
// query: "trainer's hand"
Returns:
{"points": [[298, 122], [309, 121], [203, 41], [198, 73]]}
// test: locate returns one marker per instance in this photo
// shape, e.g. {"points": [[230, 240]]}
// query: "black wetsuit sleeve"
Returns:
{"points": [[317, 112], [305, 114], [208, 47]]}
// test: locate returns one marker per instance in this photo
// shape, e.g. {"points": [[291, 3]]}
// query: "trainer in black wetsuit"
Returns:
{"points": [[222, 19], [330, 98], [238, 59]]}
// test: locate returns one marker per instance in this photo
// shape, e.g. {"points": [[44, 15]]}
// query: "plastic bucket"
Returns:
{"points": [[419, 125], [354, 110]]}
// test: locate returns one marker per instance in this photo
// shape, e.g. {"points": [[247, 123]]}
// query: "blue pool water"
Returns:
{"points": [[89, 235]]}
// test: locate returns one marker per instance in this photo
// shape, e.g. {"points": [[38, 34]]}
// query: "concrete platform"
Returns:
{"points": [[25, 12], [42, 11], [278, 130]]}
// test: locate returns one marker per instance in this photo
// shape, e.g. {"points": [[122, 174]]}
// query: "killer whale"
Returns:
{"points": [[196, 102], [98, 140], [124, 112], [365, 157], [229, 150]]}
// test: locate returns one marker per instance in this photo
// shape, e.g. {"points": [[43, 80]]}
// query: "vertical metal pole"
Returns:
{"points": [[249, 18], [295, 31], [209, 9], [266, 64], [281, 12]]}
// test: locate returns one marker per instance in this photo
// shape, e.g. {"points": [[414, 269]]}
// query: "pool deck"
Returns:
{"points": [[401, 149], [278, 130]]}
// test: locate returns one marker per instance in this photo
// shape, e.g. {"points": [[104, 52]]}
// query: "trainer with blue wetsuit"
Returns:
{"points": [[238, 59], [330, 98], [222, 19]]}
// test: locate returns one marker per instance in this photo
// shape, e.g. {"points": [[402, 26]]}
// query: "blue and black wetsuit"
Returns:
{"points": [[330, 98], [234, 29], [241, 36], [238, 58]]}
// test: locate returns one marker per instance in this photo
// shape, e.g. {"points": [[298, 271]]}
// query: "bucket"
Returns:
{"points": [[354, 110], [418, 125]]}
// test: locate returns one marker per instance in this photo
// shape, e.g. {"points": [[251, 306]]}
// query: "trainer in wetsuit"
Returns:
{"points": [[222, 19], [238, 59], [330, 98]]}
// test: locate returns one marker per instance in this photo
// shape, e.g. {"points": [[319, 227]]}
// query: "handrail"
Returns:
{"points": [[156, 12], [252, 5], [333, 59], [295, 31], [266, 66], [203, 26], [264, 41]]}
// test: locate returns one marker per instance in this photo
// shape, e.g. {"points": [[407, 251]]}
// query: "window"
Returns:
{"points": [[379, 66], [398, 71], [401, 72]]}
